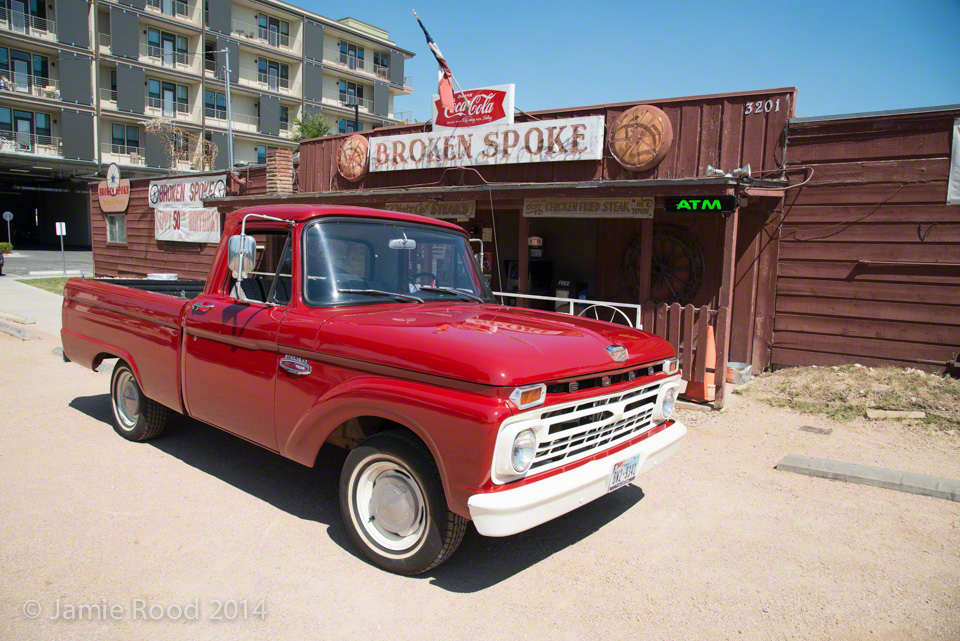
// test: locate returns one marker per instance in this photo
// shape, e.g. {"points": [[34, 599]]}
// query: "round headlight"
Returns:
{"points": [[669, 401], [524, 447]]}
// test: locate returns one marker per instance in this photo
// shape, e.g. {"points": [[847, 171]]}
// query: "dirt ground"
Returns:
{"points": [[714, 544]]}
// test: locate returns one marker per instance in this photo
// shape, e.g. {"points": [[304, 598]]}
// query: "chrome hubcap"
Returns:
{"points": [[126, 400], [390, 505]]}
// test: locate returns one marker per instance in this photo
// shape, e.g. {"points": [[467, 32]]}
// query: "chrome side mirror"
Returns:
{"points": [[241, 254]]}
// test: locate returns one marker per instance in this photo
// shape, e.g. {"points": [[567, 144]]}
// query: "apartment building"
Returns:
{"points": [[79, 79]]}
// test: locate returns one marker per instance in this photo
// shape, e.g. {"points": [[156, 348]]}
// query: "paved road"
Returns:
{"points": [[48, 262], [717, 544]]}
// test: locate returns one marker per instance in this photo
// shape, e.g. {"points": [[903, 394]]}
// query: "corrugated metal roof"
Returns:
{"points": [[877, 114]]}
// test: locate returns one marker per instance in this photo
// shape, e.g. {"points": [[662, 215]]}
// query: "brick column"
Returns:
{"points": [[279, 171]]}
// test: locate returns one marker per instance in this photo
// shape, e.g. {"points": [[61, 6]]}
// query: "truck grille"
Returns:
{"points": [[577, 430]]}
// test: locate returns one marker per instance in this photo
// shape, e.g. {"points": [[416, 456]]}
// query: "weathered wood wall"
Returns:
{"points": [[869, 267]]}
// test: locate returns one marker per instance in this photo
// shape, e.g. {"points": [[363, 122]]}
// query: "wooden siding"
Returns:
{"points": [[707, 130], [869, 267]]}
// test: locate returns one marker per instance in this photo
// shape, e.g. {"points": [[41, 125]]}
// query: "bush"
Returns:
{"points": [[5, 248]]}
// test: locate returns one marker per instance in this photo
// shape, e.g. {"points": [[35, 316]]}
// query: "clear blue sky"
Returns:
{"points": [[843, 56]]}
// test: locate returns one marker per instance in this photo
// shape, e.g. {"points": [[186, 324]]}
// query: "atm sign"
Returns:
{"points": [[723, 204]]}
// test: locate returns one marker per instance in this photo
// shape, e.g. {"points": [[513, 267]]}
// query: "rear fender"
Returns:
{"points": [[90, 353]]}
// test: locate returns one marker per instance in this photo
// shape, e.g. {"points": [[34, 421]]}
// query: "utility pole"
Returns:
{"points": [[356, 116], [226, 78]]}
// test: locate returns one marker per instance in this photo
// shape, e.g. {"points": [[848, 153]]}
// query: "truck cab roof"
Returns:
{"points": [[302, 213]]}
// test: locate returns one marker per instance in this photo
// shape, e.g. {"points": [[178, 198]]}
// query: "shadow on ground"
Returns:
{"points": [[312, 494]]}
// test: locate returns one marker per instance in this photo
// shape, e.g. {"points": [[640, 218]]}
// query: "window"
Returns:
{"points": [[119, 139], [347, 126], [43, 129], [350, 93], [117, 229], [274, 31], [182, 50], [113, 80], [210, 55], [183, 100], [269, 278], [276, 75], [125, 139], [351, 56], [262, 153], [381, 64], [352, 255], [215, 105], [169, 47], [6, 121], [284, 118]]}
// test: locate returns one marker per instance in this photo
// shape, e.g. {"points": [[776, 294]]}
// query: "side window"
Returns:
{"points": [[269, 280], [336, 261]]}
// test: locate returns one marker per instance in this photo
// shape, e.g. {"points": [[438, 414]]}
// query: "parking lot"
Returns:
{"points": [[714, 544]]}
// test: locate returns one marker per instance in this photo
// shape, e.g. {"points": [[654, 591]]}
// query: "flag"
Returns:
{"points": [[445, 86]]}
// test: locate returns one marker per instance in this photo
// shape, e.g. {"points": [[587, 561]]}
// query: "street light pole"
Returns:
{"points": [[356, 116], [226, 79]]}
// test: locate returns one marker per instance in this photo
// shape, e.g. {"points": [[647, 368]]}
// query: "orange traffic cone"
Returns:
{"points": [[707, 390]]}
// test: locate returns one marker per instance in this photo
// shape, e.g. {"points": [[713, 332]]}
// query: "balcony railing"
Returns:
{"points": [[22, 83], [347, 101], [241, 122], [170, 59], [105, 41], [403, 116], [108, 95], [27, 24], [408, 81], [174, 9], [25, 143], [168, 108], [123, 154], [254, 78], [263, 36]]}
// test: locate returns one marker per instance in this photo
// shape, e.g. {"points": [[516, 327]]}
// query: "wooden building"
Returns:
{"points": [[869, 268]]}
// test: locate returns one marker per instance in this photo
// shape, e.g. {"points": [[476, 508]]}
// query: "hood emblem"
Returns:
{"points": [[618, 353]]}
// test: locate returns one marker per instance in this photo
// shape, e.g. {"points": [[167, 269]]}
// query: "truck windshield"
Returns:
{"points": [[429, 264]]}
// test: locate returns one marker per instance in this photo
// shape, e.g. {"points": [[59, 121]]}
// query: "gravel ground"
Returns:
{"points": [[716, 544]]}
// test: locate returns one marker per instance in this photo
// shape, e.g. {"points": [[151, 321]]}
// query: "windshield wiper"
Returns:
{"points": [[450, 290], [380, 292]]}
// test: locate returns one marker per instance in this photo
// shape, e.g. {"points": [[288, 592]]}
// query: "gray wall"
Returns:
{"points": [[220, 140], [155, 156], [269, 115], [73, 27], [380, 98], [131, 89], [221, 16], [313, 40], [136, 4], [124, 33], [396, 67], [312, 81], [75, 76], [312, 110], [234, 58], [78, 136]]}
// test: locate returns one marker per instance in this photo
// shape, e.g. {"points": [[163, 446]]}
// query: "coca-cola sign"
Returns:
{"points": [[484, 106]]}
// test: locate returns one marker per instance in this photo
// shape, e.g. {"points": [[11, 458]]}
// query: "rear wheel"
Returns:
{"points": [[393, 505], [136, 417]]}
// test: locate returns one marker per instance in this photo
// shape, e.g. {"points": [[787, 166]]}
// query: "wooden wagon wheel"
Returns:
{"points": [[677, 266], [640, 137], [352, 160]]}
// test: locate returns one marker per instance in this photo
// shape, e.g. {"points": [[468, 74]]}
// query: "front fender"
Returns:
{"points": [[458, 427]]}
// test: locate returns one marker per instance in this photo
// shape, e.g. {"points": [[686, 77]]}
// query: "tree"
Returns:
{"points": [[310, 126]]}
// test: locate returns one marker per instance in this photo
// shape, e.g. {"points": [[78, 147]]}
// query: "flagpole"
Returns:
{"points": [[452, 77]]}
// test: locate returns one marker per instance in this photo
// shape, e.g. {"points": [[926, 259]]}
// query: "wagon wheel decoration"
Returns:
{"points": [[640, 137], [352, 157], [677, 266]]}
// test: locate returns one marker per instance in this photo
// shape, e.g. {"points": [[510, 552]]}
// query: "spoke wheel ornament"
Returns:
{"points": [[676, 272], [640, 137], [352, 157]]}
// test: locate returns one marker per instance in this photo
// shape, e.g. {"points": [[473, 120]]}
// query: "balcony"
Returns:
{"points": [[346, 101], [173, 60], [402, 116], [268, 82], [36, 86], [123, 154], [109, 95], [241, 122], [265, 37], [30, 144], [168, 108], [28, 25], [353, 63], [186, 11]]}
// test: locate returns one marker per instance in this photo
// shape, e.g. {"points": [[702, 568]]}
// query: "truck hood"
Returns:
{"points": [[487, 344]]}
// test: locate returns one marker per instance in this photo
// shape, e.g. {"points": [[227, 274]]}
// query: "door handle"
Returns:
{"points": [[202, 307]]}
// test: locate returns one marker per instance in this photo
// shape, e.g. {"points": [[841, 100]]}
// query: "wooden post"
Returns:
{"points": [[646, 269], [727, 276], [523, 270]]}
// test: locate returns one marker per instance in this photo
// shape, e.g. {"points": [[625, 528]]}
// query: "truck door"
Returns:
{"points": [[230, 352]]}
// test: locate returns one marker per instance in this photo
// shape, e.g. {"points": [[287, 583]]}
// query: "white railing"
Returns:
{"points": [[169, 59], [210, 66], [404, 116], [347, 61], [123, 154], [346, 101], [174, 8], [27, 24], [30, 85], [169, 108], [105, 41], [24, 143], [408, 81], [264, 36], [254, 78], [108, 95], [595, 309], [381, 71]]}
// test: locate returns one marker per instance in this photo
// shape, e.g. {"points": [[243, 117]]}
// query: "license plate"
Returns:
{"points": [[623, 472]]}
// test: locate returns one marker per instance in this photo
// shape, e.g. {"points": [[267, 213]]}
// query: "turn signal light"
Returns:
{"points": [[671, 366], [526, 397]]}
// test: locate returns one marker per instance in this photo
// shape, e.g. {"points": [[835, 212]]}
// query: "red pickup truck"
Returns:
{"points": [[374, 331]]}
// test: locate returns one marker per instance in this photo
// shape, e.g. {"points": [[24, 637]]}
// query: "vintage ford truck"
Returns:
{"points": [[376, 332]]}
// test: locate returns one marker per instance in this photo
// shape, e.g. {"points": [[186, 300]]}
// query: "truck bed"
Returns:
{"points": [[138, 321]]}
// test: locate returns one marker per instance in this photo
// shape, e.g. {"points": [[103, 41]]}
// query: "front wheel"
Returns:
{"points": [[136, 417], [393, 505]]}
